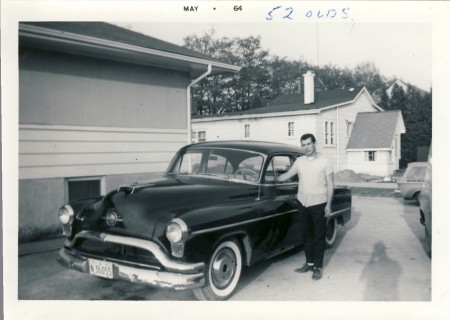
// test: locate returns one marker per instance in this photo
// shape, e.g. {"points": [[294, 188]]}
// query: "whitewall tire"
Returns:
{"points": [[330, 234], [222, 273]]}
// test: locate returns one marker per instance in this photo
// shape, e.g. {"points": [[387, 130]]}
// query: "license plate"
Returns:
{"points": [[101, 268]]}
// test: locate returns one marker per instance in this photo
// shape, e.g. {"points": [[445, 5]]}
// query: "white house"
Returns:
{"points": [[375, 144], [399, 83], [330, 115]]}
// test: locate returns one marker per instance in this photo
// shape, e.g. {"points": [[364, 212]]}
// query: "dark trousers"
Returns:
{"points": [[314, 229]]}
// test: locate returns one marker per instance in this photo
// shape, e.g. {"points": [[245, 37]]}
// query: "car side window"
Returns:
{"points": [[189, 163], [277, 166], [218, 164]]}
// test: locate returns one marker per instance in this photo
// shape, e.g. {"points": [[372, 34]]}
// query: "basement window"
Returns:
{"points": [[82, 188]]}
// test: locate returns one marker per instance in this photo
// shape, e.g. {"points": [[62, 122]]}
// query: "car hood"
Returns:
{"points": [[139, 207]]}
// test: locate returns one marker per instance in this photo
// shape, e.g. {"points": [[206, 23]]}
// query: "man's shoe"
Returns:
{"points": [[305, 268], [317, 275]]}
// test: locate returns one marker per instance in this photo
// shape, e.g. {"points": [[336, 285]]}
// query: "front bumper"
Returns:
{"points": [[176, 275]]}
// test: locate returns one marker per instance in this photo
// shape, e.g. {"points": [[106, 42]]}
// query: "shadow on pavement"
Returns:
{"points": [[381, 275]]}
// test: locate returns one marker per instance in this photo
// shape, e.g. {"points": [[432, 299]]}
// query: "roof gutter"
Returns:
{"points": [[188, 93], [256, 115], [60, 37], [272, 114], [368, 149]]}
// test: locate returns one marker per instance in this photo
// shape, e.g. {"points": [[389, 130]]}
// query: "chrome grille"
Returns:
{"points": [[115, 251]]}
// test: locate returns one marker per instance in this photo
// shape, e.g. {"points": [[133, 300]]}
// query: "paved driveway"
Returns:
{"points": [[379, 255]]}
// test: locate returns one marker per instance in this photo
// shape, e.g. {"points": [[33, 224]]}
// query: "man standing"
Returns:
{"points": [[315, 193]]}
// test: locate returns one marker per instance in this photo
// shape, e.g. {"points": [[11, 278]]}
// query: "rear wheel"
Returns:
{"points": [[330, 234], [223, 272]]}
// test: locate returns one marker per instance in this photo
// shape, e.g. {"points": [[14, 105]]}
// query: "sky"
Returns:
{"points": [[400, 50]]}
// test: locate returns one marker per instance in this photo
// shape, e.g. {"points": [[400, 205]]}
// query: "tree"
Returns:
{"points": [[366, 74], [416, 109], [225, 93], [286, 76], [330, 77], [384, 99]]}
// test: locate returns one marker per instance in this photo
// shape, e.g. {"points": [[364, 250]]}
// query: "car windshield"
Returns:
{"points": [[219, 162]]}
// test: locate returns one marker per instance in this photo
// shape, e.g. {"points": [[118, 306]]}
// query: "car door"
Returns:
{"points": [[286, 222]]}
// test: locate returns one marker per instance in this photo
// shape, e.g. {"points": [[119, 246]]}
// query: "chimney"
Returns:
{"points": [[309, 87]]}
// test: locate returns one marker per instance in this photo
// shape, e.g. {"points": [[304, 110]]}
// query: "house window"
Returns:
{"points": [[198, 136], [82, 188], [349, 128], [329, 133], [290, 129], [201, 136], [247, 131], [370, 156]]}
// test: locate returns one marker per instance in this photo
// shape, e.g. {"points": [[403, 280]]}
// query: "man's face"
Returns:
{"points": [[308, 146]]}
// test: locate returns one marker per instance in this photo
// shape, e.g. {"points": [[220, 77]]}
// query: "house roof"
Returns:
{"points": [[375, 130], [295, 102], [108, 41], [322, 99]]}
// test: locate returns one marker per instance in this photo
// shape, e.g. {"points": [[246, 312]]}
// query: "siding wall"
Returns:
{"points": [[381, 167], [68, 151], [265, 129], [62, 89]]}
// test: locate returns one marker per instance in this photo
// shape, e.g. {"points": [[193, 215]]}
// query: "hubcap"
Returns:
{"points": [[223, 268]]}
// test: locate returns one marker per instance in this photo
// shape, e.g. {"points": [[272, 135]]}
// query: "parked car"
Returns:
{"points": [[425, 204], [410, 184], [217, 208]]}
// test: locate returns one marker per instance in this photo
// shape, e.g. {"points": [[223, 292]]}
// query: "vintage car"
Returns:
{"points": [[217, 208], [410, 184]]}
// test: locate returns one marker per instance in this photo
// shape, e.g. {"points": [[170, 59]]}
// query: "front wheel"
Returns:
{"points": [[330, 234], [223, 272]]}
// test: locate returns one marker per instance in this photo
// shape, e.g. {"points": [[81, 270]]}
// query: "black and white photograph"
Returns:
{"points": [[216, 158]]}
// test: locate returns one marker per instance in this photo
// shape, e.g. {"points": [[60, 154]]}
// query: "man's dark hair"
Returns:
{"points": [[306, 136]]}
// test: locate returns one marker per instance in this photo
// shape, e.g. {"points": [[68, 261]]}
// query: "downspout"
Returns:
{"points": [[188, 89], [337, 140]]}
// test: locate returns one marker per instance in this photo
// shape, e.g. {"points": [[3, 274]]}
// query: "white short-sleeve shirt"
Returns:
{"points": [[312, 184]]}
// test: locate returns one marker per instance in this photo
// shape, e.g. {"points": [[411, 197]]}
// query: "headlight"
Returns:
{"points": [[176, 231], [65, 214]]}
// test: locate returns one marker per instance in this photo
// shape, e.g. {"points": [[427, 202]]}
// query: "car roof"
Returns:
{"points": [[264, 147]]}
